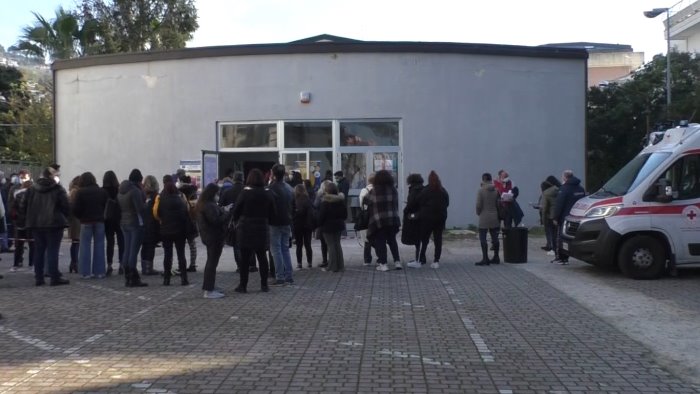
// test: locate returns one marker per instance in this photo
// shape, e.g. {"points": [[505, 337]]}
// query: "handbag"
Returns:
{"points": [[362, 220], [230, 232]]}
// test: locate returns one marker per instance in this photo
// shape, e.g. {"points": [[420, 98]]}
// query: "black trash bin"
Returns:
{"points": [[515, 245]]}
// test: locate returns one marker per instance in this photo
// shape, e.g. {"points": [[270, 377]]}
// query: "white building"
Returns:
{"points": [[458, 109]]}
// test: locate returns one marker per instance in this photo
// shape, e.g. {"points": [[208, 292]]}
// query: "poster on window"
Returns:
{"points": [[387, 161]]}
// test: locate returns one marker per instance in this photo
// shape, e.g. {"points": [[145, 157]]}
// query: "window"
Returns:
{"points": [[631, 175], [369, 133], [308, 135], [684, 178], [249, 135]]}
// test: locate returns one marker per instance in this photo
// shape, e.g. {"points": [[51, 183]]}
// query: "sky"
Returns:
{"points": [[513, 22]]}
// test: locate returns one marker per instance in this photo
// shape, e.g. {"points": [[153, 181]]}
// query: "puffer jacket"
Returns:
{"points": [[332, 213], [252, 212], [132, 204], [570, 192], [173, 215], [549, 197], [486, 200], [47, 205], [433, 207]]}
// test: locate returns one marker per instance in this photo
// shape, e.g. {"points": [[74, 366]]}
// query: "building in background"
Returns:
{"points": [[329, 103]]}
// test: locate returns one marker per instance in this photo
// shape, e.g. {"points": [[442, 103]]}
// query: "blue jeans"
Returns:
{"points": [[92, 261], [47, 242], [279, 247], [133, 237]]}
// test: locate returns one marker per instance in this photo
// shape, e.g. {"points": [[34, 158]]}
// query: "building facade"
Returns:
{"points": [[331, 104]]}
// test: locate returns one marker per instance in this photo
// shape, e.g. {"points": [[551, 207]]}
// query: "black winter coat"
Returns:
{"points": [[252, 212], [570, 192], [151, 231], [19, 203], [411, 230], [173, 215], [89, 204], [47, 205], [332, 213], [433, 207], [302, 218], [212, 221], [283, 204], [230, 194]]}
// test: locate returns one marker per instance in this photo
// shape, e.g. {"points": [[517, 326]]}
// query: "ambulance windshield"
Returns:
{"points": [[631, 175]]}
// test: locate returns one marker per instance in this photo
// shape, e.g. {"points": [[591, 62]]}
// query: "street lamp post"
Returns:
{"points": [[653, 14]]}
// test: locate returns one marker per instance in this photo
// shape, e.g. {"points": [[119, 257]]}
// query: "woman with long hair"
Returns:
{"points": [[302, 222], [384, 221], [89, 208], [151, 226], [331, 222], [411, 230], [316, 207], [110, 184], [252, 212], [171, 210], [211, 220], [433, 202], [73, 226]]}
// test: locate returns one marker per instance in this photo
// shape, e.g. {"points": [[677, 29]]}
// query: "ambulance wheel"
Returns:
{"points": [[642, 257]]}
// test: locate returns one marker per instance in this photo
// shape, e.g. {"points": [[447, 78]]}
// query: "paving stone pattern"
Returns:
{"points": [[458, 329]]}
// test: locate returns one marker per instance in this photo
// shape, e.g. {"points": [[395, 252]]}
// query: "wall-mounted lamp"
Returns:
{"points": [[305, 97]]}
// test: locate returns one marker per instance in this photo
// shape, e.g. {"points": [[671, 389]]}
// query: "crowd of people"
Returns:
{"points": [[260, 217]]}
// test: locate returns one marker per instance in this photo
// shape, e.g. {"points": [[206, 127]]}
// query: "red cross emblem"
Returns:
{"points": [[691, 215]]}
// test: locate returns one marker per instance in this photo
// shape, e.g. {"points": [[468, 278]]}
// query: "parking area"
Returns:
{"points": [[507, 328]]}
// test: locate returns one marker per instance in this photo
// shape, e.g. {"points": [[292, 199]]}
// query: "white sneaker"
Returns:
{"points": [[550, 253], [435, 265], [213, 294], [414, 264], [397, 265], [16, 269], [382, 267]]}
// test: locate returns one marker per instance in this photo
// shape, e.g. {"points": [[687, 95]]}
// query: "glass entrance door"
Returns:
{"points": [[296, 161]]}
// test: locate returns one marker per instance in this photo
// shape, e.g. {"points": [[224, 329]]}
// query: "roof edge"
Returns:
{"points": [[323, 47]]}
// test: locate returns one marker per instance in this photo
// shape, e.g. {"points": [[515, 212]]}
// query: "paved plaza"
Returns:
{"points": [[508, 328]]}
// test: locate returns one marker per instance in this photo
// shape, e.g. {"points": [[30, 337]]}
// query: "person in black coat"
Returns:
{"points": [[411, 231], [331, 221], [171, 211], [252, 212], [570, 192], [228, 198], [433, 202], [302, 223], [89, 208], [211, 220], [46, 211], [113, 230], [189, 190]]}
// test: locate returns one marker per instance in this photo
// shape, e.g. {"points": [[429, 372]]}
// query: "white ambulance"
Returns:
{"points": [[646, 218]]}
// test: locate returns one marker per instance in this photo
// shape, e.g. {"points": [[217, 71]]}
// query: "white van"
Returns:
{"points": [[646, 218]]}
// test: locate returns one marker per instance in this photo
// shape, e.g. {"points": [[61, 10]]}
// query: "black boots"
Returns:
{"points": [[484, 255], [495, 259], [183, 278], [73, 267], [132, 278], [166, 278], [147, 268]]}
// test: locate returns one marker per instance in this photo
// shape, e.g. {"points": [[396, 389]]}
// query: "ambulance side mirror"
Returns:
{"points": [[665, 192]]}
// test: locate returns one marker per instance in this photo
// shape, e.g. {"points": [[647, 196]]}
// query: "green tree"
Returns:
{"points": [[141, 25], [63, 37], [619, 116]]}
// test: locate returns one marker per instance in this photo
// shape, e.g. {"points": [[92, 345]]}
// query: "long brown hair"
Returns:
{"points": [[434, 181]]}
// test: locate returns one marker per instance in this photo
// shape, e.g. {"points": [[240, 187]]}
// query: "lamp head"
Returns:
{"points": [[655, 12]]}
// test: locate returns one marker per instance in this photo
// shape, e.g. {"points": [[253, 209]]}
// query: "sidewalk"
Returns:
{"points": [[458, 329]]}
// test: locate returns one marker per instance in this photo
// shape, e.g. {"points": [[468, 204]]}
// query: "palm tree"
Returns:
{"points": [[60, 38]]}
